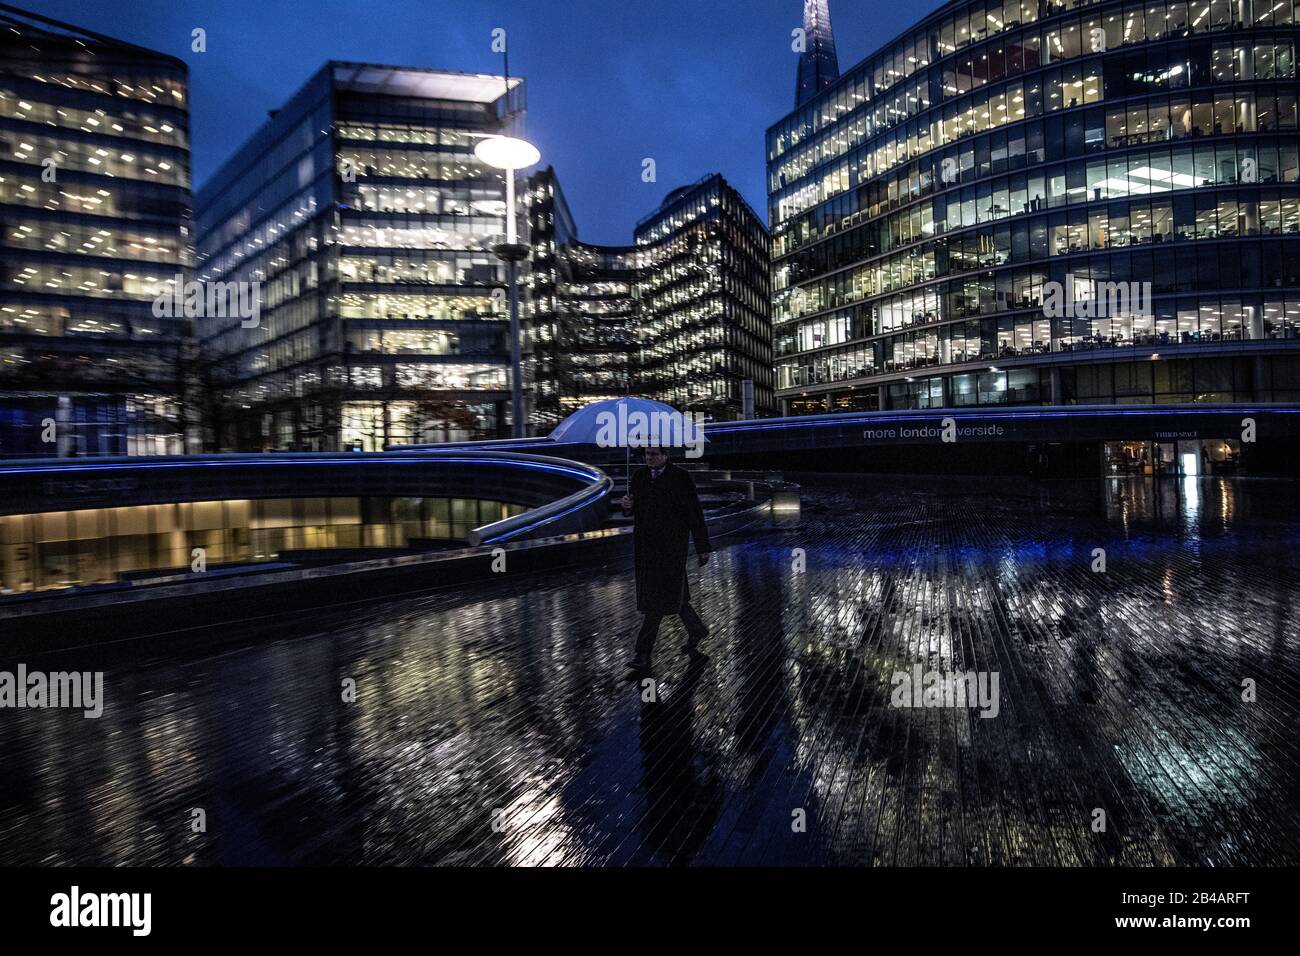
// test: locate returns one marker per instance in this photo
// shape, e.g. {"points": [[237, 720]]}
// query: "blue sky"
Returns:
{"points": [[692, 83]]}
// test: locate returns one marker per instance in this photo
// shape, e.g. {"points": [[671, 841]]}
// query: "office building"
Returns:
{"points": [[95, 221], [582, 311], [703, 320], [1025, 202], [681, 316], [361, 212]]}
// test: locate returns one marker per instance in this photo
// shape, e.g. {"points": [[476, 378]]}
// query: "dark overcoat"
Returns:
{"points": [[667, 514]]}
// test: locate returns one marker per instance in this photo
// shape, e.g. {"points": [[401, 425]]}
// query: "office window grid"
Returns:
{"points": [[927, 231]]}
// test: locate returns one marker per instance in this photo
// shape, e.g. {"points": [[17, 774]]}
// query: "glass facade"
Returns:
{"points": [[581, 311], [682, 316], [363, 214], [819, 66], [1045, 203], [703, 303], [62, 549], [94, 221]]}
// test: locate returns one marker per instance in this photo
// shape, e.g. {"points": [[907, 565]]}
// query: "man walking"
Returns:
{"points": [[666, 511]]}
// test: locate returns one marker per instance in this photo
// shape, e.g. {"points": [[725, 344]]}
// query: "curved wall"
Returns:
{"points": [[564, 496]]}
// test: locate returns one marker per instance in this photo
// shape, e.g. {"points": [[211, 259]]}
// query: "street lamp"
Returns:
{"points": [[510, 154]]}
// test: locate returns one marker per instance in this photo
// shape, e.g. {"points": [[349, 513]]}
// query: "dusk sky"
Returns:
{"points": [[692, 83]]}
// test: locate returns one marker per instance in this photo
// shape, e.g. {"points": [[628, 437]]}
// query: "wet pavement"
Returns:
{"points": [[498, 727]]}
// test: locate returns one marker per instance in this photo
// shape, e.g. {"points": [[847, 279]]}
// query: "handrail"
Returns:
{"points": [[507, 528], [599, 485]]}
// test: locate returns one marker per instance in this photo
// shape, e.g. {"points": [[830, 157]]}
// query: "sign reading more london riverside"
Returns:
{"points": [[924, 432]]}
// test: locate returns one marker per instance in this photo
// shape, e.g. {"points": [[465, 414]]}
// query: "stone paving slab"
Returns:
{"points": [[495, 725]]}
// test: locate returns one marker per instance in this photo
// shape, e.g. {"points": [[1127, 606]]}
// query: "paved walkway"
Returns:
{"points": [[498, 727]]}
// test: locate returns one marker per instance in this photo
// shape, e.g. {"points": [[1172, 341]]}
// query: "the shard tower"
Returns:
{"points": [[819, 67]]}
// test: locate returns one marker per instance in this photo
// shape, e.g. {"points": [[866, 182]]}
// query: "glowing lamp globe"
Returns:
{"points": [[506, 152]]}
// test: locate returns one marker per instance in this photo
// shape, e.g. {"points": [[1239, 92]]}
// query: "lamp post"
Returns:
{"points": [[510, 155]]}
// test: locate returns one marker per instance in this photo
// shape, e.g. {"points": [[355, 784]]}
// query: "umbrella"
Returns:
{"points": [[629, 423]]}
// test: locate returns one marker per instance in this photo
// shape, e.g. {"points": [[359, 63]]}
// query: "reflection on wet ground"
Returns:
{"points": [[497, 727]]}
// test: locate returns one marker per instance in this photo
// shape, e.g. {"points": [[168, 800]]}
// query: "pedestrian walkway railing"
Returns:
{"points": [[584, 510]]}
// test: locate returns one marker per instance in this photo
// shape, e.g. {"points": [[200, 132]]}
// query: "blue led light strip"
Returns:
{"points": [[585, 476], [939, 414]]}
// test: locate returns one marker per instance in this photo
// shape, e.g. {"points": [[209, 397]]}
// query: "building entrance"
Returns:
{"points": [[1188, 458]]}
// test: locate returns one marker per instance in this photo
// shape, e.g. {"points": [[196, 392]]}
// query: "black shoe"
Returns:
{"points": [[638, 664], [693, 648]]}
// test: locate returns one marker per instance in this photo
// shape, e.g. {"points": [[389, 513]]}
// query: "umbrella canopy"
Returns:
{"points": [[628, 423]]}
